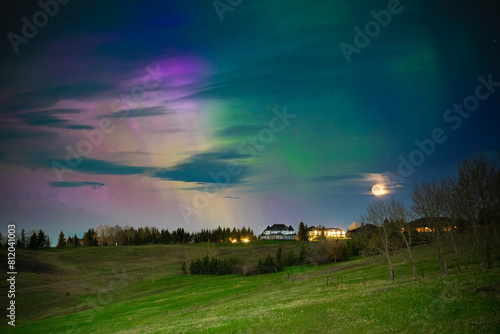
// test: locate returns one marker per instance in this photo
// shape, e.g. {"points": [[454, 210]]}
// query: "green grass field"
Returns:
{"points": [[140, 290]]}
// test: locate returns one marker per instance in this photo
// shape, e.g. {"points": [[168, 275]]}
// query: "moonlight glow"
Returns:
{"points": [[378, 190]]}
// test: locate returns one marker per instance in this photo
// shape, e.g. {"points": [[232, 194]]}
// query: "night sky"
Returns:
{"points": [[180, 114]]}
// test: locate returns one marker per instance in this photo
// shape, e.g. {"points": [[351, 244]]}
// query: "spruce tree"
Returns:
{"points": [[302, 233], [23, 239], [61, 242], [302, 255], [290, 259], [76, 241], [32, 243], [279, 260], [40, 239]]}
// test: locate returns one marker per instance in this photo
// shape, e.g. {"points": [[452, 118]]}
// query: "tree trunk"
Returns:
{"points": [[390, 269], [455, 250], [495, 233], [442, 265], [478, 248], [488, 255], [457, 258], [442, 262], [413, 265]]}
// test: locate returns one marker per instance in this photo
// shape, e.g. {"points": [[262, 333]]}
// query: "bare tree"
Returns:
{"points": [[457, 237], [401, 216], [477, 201], [429, 202], [380, 237], [102, 232]]}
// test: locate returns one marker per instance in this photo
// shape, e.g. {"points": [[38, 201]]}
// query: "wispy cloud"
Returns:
{"points": [[52, 118], [68, 184], [140, 112], [206, 168], [101, 167]]}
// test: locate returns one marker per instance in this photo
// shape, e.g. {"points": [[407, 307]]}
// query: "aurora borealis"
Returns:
{"points": [[129, 112]]}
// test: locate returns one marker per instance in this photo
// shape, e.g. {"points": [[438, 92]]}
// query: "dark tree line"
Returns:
{"points": [[277, 263], [224, 235], [212, 266], [38, 240], [31, 240], [105, 235]]}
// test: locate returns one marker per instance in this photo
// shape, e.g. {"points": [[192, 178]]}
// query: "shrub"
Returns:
{"points": [[211, 266]]}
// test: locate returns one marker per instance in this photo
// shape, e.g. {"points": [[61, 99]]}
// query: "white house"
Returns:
{"points": [[278, 232]]}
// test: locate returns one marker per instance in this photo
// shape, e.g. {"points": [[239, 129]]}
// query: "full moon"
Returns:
{"points": [[378, 190]]}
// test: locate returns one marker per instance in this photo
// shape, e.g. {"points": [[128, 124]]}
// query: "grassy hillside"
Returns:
{"points": [[116, 290]]}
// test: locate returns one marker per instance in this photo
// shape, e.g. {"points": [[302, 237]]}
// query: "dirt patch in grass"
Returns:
{"points": [[36, 267]]}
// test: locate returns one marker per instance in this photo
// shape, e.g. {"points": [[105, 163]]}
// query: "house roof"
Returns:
{"points": [[279, 227], [367, 227], [425, 222], [313, 228]]}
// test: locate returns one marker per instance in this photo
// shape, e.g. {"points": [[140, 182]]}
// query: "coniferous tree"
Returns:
{"points": [[279, 260], [87, 238], [23, 239], [61, 242], [94, 237], [302, 255], [290, 259], [302, 233], [183, 268], [269, 265], [32, 243], [76, 241], [40, 239]]}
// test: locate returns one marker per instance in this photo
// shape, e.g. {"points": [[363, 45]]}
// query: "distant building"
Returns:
{"points": [[278, 232], [315, 232], [426, 225], [364, 231]]}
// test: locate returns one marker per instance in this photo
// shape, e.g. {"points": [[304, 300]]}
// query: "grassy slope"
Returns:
{"points": [[117, 295]]}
